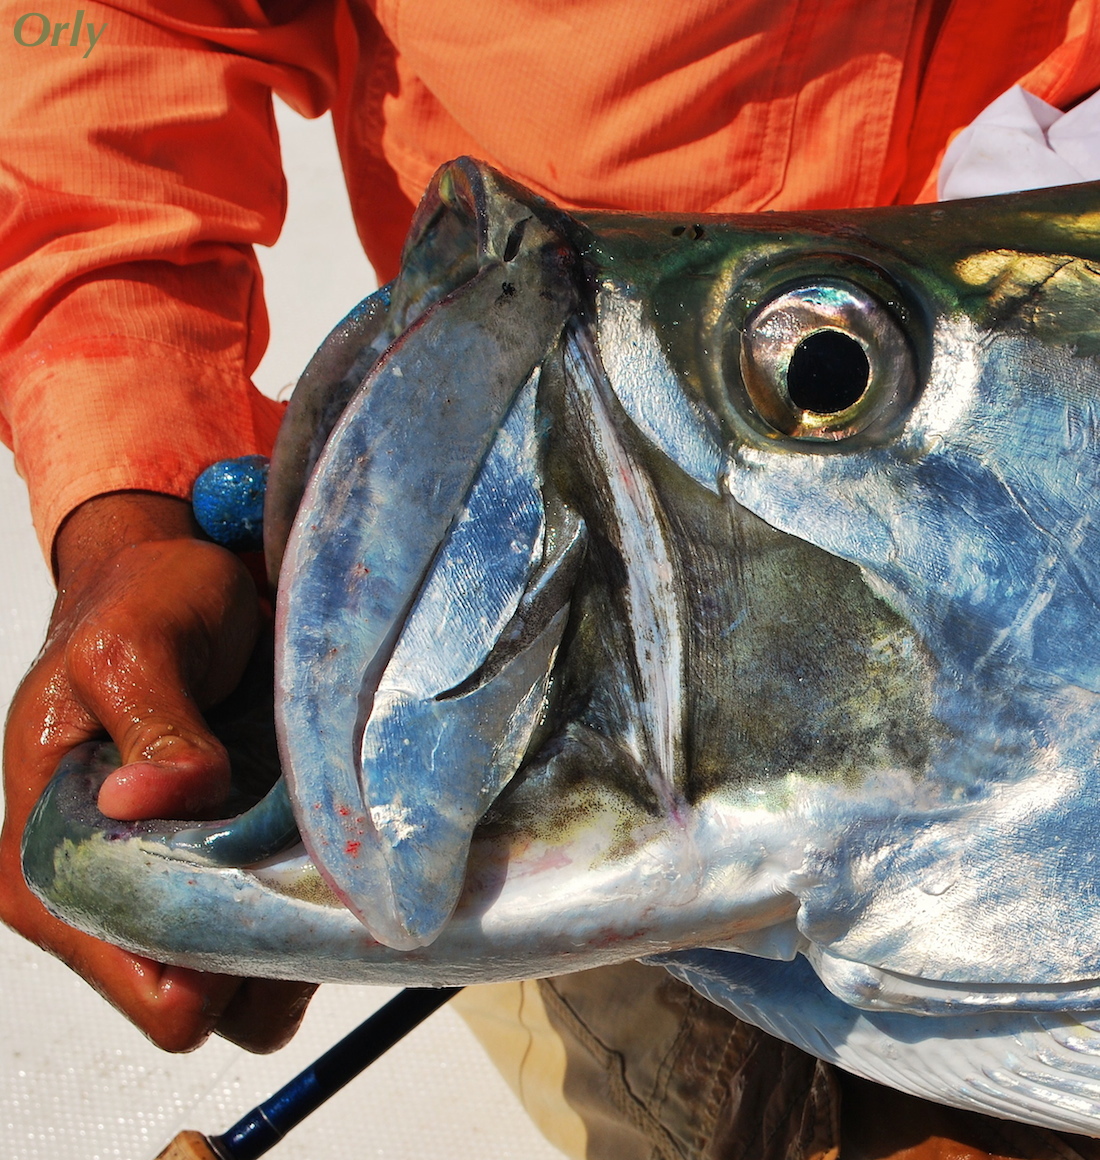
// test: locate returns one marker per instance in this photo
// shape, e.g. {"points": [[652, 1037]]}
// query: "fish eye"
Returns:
{"points": [[825, 360]]}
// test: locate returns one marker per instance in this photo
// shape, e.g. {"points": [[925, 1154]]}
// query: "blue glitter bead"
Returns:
{"points": [[228, 499]]}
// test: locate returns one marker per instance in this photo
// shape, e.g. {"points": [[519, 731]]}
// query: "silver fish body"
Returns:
{"points": [[705, 589]]}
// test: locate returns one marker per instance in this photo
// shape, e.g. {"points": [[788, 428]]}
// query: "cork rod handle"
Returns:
{"points": [[189, 1145]]}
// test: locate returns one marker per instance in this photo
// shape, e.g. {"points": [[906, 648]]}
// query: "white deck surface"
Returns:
{"points": [[77, 1082]]}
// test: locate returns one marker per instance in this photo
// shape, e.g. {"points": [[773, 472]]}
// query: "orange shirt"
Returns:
{"points": [[137, 173]]}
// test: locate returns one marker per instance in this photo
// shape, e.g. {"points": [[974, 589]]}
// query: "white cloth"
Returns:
{"points": [[1021, 142]]}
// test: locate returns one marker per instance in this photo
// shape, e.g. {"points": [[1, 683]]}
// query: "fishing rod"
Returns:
{"points": [[262, 1128]]}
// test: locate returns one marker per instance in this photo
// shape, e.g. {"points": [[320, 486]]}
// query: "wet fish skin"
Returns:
{"points": [[822, 685]]}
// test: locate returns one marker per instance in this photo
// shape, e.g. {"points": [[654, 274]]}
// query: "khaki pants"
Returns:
{"points": [[626, 1063]]}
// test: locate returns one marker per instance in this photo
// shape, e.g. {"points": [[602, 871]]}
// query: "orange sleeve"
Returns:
{"points": [[1050, 49], [135, 176]]}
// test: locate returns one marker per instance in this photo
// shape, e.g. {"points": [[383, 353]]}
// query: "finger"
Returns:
{"points": [[175, 1007], [155, 653], [172, 765], [264, 1014], [185, 786]]}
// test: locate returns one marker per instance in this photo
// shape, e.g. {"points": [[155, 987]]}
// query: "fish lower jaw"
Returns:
{"points": [[645, 884]]}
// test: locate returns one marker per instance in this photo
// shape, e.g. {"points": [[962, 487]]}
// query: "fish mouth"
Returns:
{"points": [[485, 702], [426, 584]]}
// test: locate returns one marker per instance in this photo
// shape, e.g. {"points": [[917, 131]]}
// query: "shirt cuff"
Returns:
{"points": [[121, 414]]}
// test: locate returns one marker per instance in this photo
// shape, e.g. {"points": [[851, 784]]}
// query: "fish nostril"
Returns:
{"points": [[828, 372], [515, 239]]}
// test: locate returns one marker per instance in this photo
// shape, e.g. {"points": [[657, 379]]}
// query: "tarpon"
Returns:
{"points": [[715, 588]]}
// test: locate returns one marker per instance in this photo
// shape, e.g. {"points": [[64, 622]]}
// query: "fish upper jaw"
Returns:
{"points": [[395, 473]]}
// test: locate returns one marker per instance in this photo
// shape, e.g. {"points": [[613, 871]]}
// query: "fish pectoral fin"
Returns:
{"points": [[1036, 1066], [877, 989]]}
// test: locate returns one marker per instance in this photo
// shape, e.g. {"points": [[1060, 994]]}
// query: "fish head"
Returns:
{"points": [[662, 583], [759, 616], [563, 657]]}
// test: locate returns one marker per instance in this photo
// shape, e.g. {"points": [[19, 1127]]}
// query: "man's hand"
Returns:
{"points": [[150, 627]]}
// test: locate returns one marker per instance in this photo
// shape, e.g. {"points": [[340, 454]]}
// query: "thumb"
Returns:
{"points": [[169, 770], [149, 661]]}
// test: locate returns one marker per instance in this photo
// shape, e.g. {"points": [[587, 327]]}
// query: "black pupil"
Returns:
{"points": [[827, 372]]}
